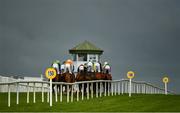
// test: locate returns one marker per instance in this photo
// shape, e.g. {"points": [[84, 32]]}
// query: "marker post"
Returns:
{"points": [[130, 75], [50, 74], [165, 80]]}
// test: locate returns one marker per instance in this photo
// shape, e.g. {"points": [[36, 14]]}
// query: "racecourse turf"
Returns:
{"points": [[118, 103]]}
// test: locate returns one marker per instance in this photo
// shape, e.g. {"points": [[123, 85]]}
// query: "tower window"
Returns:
{"points": [[82, 57]]}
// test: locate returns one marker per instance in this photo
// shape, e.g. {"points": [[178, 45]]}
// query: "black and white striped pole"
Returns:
{"points": [[130, 75], [50, 74]]}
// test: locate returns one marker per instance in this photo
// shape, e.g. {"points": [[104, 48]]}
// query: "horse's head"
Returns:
{"points": [[68, 77], [81, 69]]}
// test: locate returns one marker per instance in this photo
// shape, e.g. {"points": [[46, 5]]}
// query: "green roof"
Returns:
{"points": [[86, 47]]}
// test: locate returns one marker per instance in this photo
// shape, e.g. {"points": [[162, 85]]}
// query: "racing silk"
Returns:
{"points": [[97, 67], [62, 68], [107, 67], [90, 67], [68, 68], [57, 67], [105, 63]]}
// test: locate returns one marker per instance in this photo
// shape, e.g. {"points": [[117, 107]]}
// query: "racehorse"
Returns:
{"points": [[56, 79]]}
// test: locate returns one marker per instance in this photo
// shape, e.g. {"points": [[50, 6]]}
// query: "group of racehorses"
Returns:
{"points": [[85, 73]]}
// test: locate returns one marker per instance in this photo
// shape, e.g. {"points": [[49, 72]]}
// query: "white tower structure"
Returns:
{"points": [[85, 52]]}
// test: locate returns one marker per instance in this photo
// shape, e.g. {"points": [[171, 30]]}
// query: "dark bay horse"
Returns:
{"points": [[68, 78], [56, 79]]}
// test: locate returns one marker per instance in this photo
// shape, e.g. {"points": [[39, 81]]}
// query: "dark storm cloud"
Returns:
{"points": [[139, 35]]}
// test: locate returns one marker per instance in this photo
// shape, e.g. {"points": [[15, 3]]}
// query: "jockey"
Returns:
{"points": [[97, 67], [69, 66], [90, 67], [63, 68], [106, 67], [56, 65], [105, 63]]}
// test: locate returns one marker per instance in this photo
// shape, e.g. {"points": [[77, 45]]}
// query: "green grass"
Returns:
{"points": [[148, 103]]}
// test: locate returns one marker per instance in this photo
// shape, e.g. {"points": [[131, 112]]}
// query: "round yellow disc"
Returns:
{"points": [[50, 73], [130, 74], [165, 79]]}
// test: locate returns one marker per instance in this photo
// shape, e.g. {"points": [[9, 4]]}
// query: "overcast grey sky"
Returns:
{"points": [[138, 35]]}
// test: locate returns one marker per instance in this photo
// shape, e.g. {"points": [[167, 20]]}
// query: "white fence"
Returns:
{"points": [[22, 87], [89, 89]]}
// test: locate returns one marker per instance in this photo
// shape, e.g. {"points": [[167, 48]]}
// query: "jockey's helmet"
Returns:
{"points": [[105, 63], [69, 61], [57, 61]]}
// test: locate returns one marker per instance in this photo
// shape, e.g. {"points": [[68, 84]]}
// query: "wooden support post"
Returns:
{"points": [[100, 89], [87, 90], [82, 91], [72, 87], [96, 89], [112, 88], [130, 87], [28, 87], [9, 95], [105, 88], [119, 88], [50, 103], [77, 92], [91, 90], [42, 92], [48, 94], [34, 93], [61, 91], [56, 99], [165, 88], [108, 88], [115, 87], [122, 88], [17, 93], [67, 93]]}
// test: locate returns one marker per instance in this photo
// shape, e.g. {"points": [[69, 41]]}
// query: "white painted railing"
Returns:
{"points": [[89, 89]]}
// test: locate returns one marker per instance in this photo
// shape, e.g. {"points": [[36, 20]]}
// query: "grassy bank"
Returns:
{"points": [[104, 104]]}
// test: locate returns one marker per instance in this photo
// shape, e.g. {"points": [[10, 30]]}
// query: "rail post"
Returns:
{"points": [[67, 93], [61, 90], [122, 88], [17, 93], [112, 88], [77, 92], [115, 88], [105, 88], [42, 92], [48, 94], [96, 89], [87, 90], [100, 84], [108, 88], [34, 93], [82, 91], [28, 92], [119, 88], [56, 99], [72, 87], [91, 90], [9, 95]]}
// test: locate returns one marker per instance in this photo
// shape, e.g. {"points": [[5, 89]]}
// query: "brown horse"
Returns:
{"points": [[69, 78], [56, 79]]}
